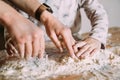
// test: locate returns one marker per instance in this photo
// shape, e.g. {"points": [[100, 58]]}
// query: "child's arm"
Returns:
{"points": [[99, 22], [98, 18]]}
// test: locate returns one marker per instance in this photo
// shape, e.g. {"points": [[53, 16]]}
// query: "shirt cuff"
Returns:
{"points": [[103, 41]]}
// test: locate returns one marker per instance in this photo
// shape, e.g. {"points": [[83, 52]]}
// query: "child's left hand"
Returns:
{"points": [[86, 47]]}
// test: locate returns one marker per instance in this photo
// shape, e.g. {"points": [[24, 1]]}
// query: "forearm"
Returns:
{"points": [[7, 15], [29, 6], [98, 19]]}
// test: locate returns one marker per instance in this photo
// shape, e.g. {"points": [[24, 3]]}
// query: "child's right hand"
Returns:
{"points": [[87, 47]]}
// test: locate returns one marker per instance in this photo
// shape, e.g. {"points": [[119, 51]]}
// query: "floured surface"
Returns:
{"points": [[104, 65]]}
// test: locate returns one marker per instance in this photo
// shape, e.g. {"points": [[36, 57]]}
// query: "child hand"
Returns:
{"points": [[86, 47]]}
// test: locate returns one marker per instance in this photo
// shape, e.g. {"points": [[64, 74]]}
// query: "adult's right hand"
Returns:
{"points": [[57, 31]]}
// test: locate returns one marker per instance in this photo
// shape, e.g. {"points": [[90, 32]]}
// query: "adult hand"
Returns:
{"points": [[56, 31], [27, 39], [86, 47]]}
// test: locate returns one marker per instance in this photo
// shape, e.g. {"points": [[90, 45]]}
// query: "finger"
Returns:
{"points": [[80, 44], [63, 44], [36, 46], [41, 51], [73, 40], [73, 44], [28, 49], [82, 50], [94, 51], [8, 48], [14, 46], [41, 48], [68, 44], [13, 43], [87, 52], [21, 50], [75, 48], [54, 38], [40, 54]]}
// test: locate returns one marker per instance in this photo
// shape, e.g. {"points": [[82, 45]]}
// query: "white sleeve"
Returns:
{"points": [[98, 18]]}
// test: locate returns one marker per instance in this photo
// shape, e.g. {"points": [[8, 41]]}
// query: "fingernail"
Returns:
{"points": [[40, 56], [22, 56], [82, 57], [77, 55], [34, 55], [28, 57], [74, 57]]}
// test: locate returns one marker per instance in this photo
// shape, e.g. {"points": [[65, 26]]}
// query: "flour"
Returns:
{"points": [[104, 65]]}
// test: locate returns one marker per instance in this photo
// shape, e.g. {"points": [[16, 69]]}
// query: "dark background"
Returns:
{"points": [[2, 42]]}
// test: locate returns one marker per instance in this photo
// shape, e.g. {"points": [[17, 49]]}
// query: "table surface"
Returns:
{"points": [[113, 40]]}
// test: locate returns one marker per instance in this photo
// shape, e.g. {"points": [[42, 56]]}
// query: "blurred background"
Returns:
{"points": [[113, 10]]}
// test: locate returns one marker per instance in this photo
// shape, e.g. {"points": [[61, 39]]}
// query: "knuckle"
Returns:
{"points": [[35, 36], [74, 47], [66, 30], [28, 38], [21, 40], [41, 32], [38, 32]]}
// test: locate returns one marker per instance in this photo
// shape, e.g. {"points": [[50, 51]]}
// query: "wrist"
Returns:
{"points": [[45, 16], [9, 19], [6, 19], [42, 10]]}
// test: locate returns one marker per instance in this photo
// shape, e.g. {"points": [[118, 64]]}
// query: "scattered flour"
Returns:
{"points": [[104, 65]]}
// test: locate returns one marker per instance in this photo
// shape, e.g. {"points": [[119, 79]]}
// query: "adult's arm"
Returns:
{"points": [[29, 39], [54, 27], [29, 6]]}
